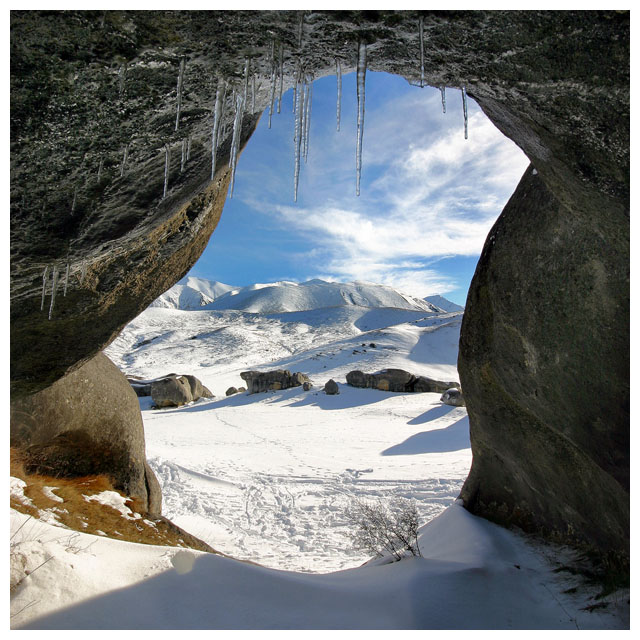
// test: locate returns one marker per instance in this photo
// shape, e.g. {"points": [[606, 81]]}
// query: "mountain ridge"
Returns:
{"points": [[193, 293]]}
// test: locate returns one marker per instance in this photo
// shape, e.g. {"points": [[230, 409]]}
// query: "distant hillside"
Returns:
{"points": [[191, 293], [283, 297], [444, 304]]}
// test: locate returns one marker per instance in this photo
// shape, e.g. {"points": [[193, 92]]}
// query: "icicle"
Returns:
{"points": [[339, 93], [464, 110], [307, 118], [296, 89], [281, 71], [54, 286], [66, 281], [121, 74], [217, 117], [100, 168], [300, 28], [362, 71], [184, 154], [167, 156], [124, 160], [179, 90], [421, 51], [235, 140], [75, 197], [253, 93], [246, 81], [305, 113], [444, 100], [44, 286], [272, 94], [188, 147], [298, 139]]}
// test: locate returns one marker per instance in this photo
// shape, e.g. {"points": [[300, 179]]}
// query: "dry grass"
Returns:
{"points": [[77, 513]]}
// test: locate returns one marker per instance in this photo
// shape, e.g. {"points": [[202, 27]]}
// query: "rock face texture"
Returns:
{"points": [[546, 373], [95, 103], [259, 381], [87, 423], [397, 380]]}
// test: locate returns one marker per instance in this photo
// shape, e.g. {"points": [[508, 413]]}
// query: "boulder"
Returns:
{"points": [[259, 381], [429, 385], [198, 390], [306, 386], [453, 397], [398, 380], [171, 392], [331, 388], [87, 423], [143, 387], [231, 391]]}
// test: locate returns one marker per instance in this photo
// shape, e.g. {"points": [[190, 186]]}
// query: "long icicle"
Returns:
{"points": [[464, 110], [217, 117], [167, 158], [179, 90], [300, 30], [307, 120], [361, 73], [272, 94], [444, 100], [421, 51], [297, 143], [281, 72], [44, 286], [305, 114], [54, 286], [339, 93], [184, 154], [188, 147], [235, 140]]}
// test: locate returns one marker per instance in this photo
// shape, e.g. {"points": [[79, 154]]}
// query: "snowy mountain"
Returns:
{"points": [[284, 297], [443, 303], [191, 293]]}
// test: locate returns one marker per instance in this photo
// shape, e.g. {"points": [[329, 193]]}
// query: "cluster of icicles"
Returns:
{"points": [[302, 98], [55, 281]]}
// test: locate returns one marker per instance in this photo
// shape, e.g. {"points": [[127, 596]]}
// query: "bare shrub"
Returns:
{"points": [[385, 530]]}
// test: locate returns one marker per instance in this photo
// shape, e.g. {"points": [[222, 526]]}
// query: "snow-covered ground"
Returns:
{"points": [[268, 478]]}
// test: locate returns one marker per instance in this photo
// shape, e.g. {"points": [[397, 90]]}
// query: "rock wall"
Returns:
{"points": [[94, 104], [545, 370]]}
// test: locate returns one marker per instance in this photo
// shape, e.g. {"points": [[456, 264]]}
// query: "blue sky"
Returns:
{"points": [[428, 196]]}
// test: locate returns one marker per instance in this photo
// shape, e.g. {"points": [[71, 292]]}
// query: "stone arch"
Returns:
{"points": [[94, 103]]}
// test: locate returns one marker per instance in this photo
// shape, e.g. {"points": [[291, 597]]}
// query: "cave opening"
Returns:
{"points": [[428, 199]]}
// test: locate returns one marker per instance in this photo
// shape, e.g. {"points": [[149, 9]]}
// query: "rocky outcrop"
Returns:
{"points": [[259, 381], [544, 366], [453, 397], [397, 380], [87, 423]]}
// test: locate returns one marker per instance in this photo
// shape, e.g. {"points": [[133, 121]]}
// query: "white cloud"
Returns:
{"points": [[427, 192]]}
